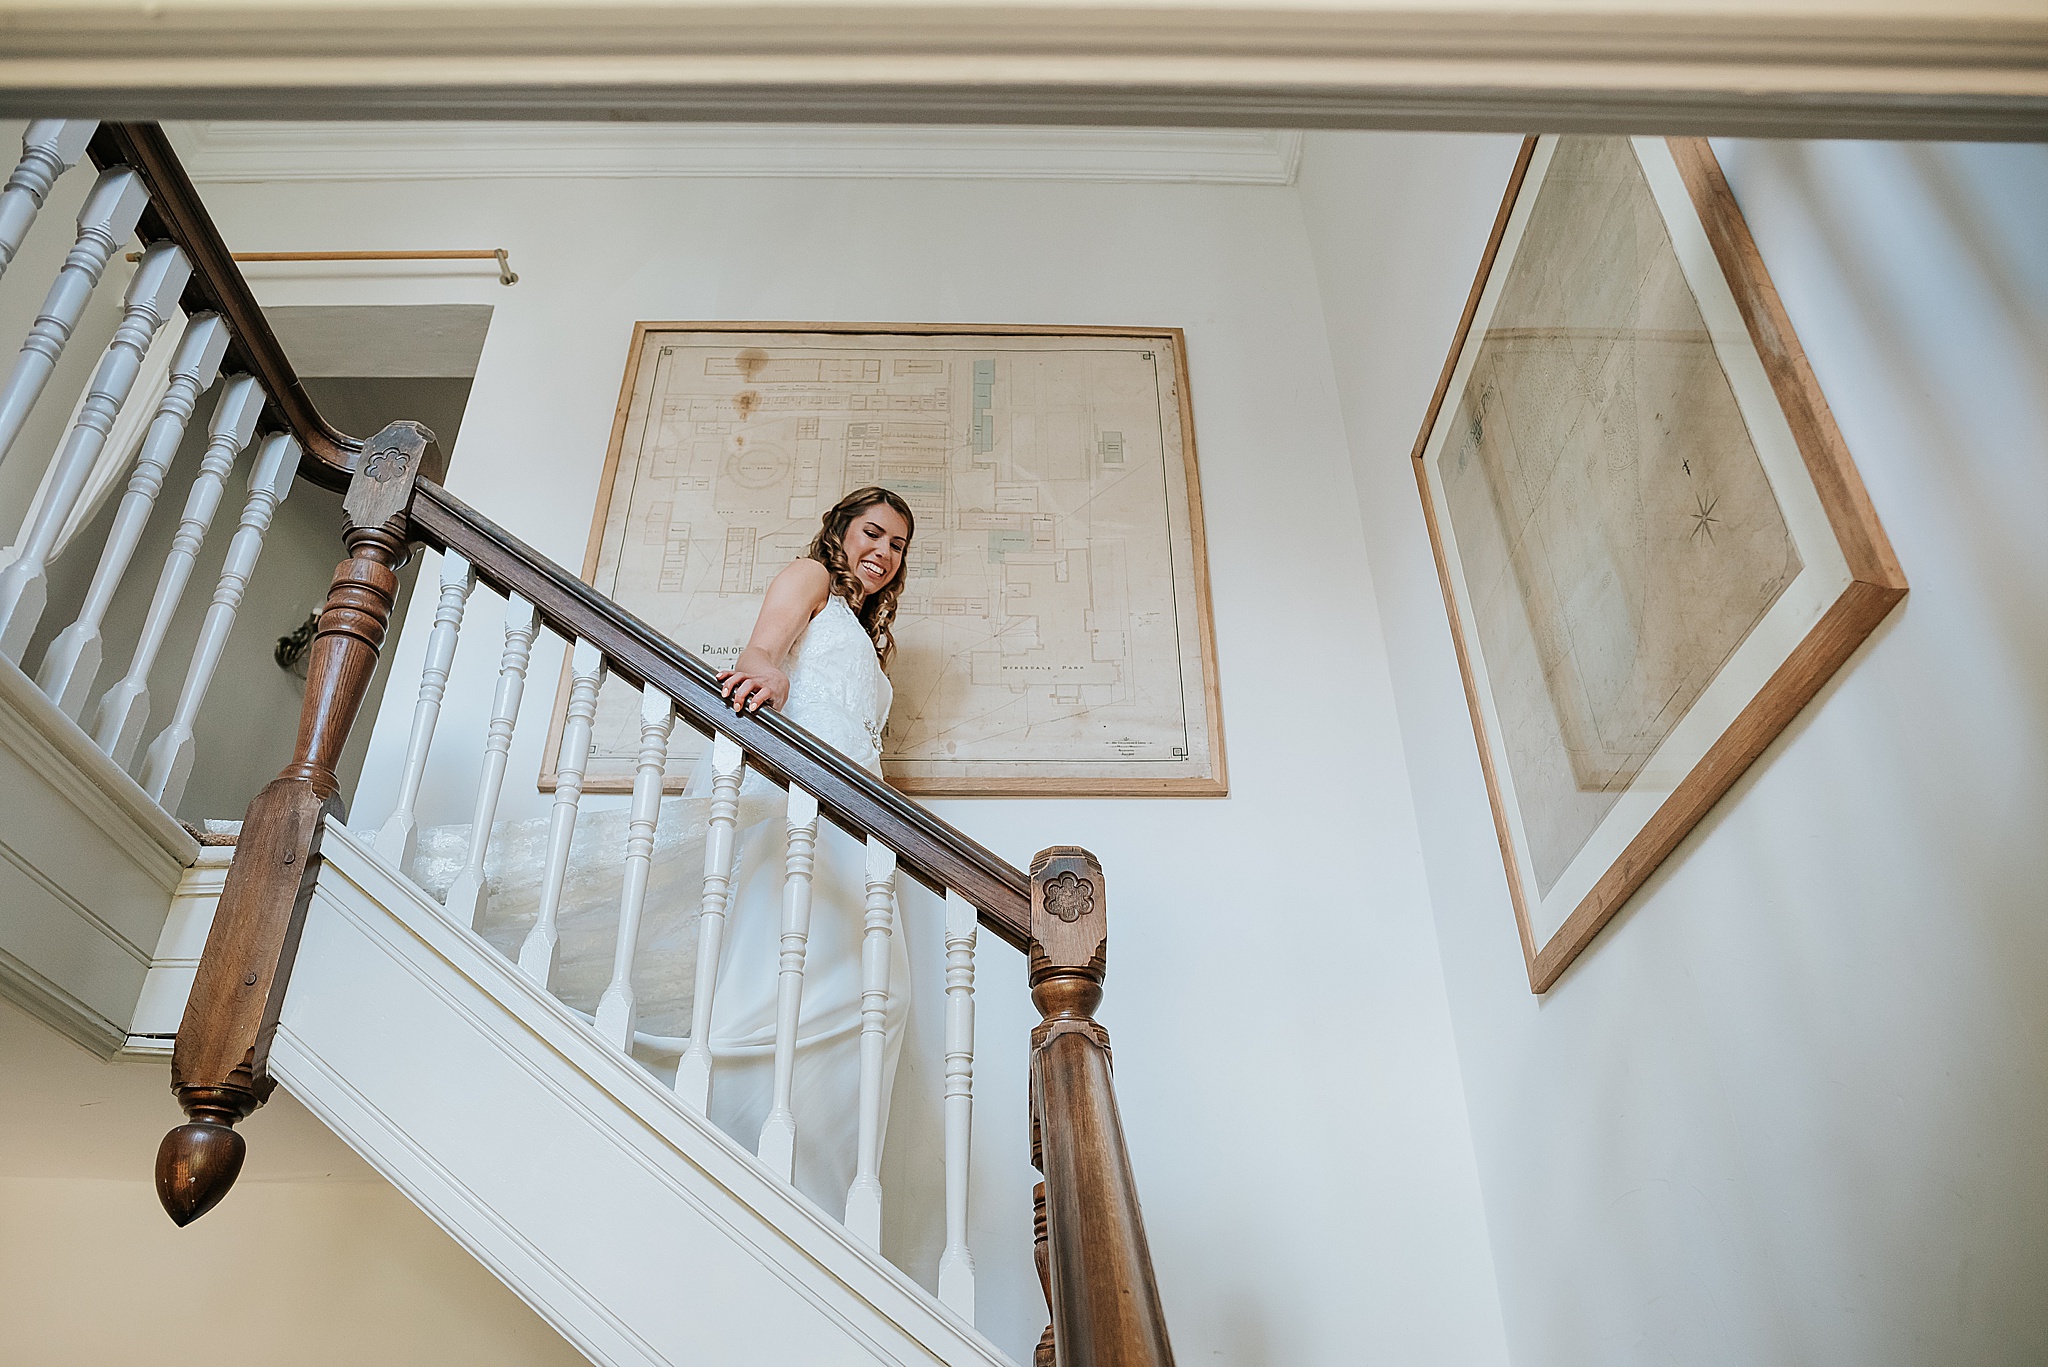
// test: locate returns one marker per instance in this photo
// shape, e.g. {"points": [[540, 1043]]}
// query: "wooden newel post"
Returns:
{"points": [[218, 1069], [1105, 1300]]}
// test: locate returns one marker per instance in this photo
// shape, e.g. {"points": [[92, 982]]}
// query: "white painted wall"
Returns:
{"points": [[1788, 1108], [1284, 1054]]}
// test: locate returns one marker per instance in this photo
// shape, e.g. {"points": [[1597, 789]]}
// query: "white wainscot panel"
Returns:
{"points": [[640, 1231]]}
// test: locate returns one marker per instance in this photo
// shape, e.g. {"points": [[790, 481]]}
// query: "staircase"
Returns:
{"points": [[747, 1269], [595, 1188]]}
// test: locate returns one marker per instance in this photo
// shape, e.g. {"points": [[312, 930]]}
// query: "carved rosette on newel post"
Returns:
{"points": [[1103, 1295], [219, 1067]]}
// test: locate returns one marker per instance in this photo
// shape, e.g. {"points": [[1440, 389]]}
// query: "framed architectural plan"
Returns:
{"points": [[1653, 544], [1054, 632]]}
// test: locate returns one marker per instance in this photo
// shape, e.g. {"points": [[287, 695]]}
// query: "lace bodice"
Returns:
{"points": [[837, 690]]}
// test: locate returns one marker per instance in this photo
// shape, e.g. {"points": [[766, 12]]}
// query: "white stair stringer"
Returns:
{"points": [[639, 1230]]}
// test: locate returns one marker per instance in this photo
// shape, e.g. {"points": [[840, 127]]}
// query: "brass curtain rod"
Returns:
{"points": [[506, 275]]}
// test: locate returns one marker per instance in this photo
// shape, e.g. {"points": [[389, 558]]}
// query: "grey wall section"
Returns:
{"points": [[404, 340], [1788, 1107], [245, 732], [248, 724]]}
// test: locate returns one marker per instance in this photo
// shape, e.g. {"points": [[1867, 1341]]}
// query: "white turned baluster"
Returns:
{"points": [[73, 659], [49, 148], [466, 900], [109, 216], [24, 584], [864, 1197], [124, 710], [956, 1264], [398, 838], [168, 763], [693, 1070], [615, 1009], [777, 1147], [586, 677]]}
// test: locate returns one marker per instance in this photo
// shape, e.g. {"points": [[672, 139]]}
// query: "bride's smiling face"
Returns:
{"points": [[874, 545]]}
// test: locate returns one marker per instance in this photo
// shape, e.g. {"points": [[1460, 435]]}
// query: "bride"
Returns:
{"points": [[818, 654]]}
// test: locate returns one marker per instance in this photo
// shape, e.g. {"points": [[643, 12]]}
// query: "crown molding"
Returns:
{"points": [[1800, 68], [220, 152]]}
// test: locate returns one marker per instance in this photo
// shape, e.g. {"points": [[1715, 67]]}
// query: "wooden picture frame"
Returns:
{"points": [[1135, 763], [1632, 625]]}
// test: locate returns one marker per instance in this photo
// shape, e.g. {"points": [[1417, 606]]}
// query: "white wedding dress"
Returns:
{"points": [[838, 693]]}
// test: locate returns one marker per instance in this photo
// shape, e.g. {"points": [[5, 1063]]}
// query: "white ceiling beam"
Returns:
{"points": [[1929, 68], [219, 151]]}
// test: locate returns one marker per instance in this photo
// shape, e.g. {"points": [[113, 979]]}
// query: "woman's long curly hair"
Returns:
{"points": [[877, 610]]}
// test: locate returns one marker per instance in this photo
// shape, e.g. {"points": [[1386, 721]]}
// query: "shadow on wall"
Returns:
{"points": [[1880, 1042], [1787, 1108]]}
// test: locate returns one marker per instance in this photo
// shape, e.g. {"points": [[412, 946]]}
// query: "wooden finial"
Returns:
{"points": [[1069, 935], [381, 489], [198, 1161], [195, 1166]]}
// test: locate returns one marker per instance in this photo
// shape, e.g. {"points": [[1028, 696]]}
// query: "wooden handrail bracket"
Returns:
{"points": [[506, 275]]}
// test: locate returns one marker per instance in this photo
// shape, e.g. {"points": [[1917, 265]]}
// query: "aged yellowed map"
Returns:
{"points": [[1618, 533], [1054, 632]]}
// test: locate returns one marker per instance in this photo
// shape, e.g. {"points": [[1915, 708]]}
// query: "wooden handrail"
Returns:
{"points": [[933, 852], [1098, 1271], [219, 1070], [175, 213]]}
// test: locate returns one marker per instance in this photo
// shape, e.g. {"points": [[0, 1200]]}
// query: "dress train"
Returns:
{"points": [[838, 692]]}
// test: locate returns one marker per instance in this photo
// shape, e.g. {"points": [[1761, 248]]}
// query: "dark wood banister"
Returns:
{"points": [[176, 214], [220, 1073], [932, 851], [935, 853], [1092, 1249]]}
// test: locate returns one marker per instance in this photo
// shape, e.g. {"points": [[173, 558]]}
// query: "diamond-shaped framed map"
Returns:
{"points": [[1653, 544], [1054, 634]]}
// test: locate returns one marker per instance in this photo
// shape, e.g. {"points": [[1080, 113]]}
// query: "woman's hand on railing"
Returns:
{"points": [[750, 687], [933, 852], [794, 597]]}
